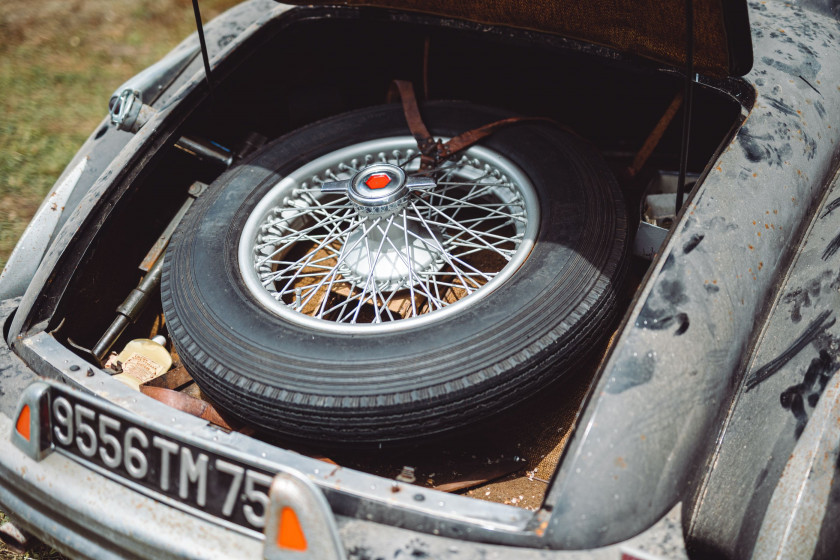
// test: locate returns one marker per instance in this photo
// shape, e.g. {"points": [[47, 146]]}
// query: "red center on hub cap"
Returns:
{"points": [[378, 181]]}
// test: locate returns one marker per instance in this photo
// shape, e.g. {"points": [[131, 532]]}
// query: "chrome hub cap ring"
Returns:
{"points": [[370, 198], [377, 255]]}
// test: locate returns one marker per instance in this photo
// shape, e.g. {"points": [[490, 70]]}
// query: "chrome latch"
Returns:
{"points": [[128, 112]]}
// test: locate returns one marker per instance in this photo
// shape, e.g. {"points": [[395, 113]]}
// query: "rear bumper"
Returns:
{"points": [[87, 515]]}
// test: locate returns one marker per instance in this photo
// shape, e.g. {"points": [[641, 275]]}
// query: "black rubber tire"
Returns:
{"points": [[438, 378]]}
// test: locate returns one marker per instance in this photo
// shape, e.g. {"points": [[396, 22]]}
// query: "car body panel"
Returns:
{"points": [[111, 520], [646, 437], [658, 404], [795, 357]]}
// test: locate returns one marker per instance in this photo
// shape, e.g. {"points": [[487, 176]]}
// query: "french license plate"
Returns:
{"points": [[162, 465]]}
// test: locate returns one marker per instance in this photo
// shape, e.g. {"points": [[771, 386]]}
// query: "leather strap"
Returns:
{"points": [[425, 142], [431, 150]]}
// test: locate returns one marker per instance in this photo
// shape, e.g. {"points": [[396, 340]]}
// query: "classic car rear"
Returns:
{"points": [[505, 331]]}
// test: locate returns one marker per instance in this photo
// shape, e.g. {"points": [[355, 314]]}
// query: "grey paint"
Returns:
{"points": [[317, 523], [370, 541], [151, 82], [30, 248], [14, 374], [797, 351], [88, 516], [349, 492], [645, 437], [791, 527], [647, 432]]}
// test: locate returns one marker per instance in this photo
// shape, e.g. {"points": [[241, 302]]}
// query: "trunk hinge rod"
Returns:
{"points": [[204, 56], [688, 101]]}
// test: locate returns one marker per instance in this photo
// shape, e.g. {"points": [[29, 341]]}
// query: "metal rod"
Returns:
{"points": [[426, 49], [205, 149], [129, 310], [688, 101], [205, 57]]}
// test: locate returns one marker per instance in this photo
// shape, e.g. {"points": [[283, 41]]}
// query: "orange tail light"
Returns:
{"points": [[23, 423], [289, 534]]}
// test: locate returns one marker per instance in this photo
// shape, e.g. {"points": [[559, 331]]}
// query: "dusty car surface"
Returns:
{"points": [[449, 280]]}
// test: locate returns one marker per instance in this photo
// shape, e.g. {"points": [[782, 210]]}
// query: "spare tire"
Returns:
{"points": [[391, 313]]}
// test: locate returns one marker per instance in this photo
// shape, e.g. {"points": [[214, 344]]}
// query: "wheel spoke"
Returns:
{"points": [[450, 259], [343, 254], [335, 235], [469, 232], [327, 256], [372, 267]]}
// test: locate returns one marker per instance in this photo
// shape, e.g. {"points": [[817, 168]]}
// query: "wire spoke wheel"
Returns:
{"points": [[327, 290], [310, 255]]}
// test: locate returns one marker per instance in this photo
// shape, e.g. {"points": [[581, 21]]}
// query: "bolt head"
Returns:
{"points": [[378, 181]]}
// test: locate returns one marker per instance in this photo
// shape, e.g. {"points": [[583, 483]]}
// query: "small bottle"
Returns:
{"points": [[143, 360]]}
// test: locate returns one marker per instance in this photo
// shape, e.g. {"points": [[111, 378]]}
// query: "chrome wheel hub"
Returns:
{"points": [[404, 254], [360, 238], [379, 189]]}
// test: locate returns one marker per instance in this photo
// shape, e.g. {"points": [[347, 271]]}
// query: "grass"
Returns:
{"points": [[60, 60]]}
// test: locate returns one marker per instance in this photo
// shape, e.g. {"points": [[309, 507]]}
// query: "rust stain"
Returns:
{"points": [[540, 531], [760, 265], [759, 233], [620, 463], [751, 247], [753, 222]]}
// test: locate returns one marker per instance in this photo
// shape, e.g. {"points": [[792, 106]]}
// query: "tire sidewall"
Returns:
{"points": [[223, 333]]}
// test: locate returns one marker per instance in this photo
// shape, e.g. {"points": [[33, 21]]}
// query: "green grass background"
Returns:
{"points": [[60, 60]]}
